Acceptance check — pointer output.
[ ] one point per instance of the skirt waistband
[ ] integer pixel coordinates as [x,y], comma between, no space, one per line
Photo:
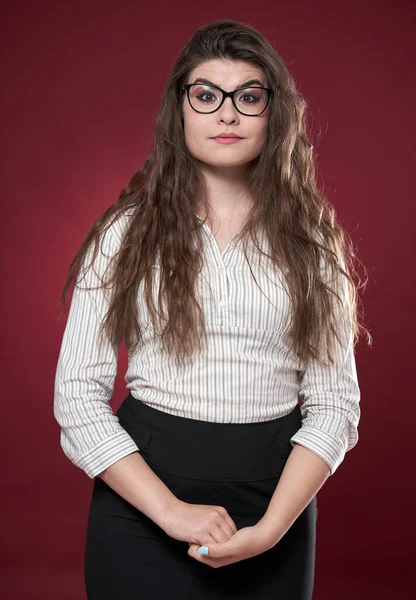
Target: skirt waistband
[208,450]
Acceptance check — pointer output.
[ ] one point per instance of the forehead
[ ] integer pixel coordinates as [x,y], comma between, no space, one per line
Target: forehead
[226,72]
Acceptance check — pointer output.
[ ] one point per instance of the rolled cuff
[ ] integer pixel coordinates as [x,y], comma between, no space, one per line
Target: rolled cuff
[106,453]
[331,450]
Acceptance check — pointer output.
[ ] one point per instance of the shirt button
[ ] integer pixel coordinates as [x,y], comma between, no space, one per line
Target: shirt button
[222,302]
[220,269]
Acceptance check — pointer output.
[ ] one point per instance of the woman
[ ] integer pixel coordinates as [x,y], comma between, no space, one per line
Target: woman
[224,271]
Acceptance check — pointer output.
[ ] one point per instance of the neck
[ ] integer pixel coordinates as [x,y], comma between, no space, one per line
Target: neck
[227,190]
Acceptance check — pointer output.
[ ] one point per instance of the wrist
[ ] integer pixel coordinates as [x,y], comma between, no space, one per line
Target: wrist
[268,532]
[171,508]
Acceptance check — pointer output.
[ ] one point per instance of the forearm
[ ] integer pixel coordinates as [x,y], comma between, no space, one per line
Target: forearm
[133,479]
[303,476]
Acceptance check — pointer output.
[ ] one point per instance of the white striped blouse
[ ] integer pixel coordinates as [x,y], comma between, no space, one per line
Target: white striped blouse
[246,374]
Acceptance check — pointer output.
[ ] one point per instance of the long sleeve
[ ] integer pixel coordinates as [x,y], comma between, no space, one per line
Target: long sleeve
[330,402]
[91,435]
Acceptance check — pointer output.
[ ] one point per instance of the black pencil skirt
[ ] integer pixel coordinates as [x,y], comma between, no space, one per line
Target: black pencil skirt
[234,465]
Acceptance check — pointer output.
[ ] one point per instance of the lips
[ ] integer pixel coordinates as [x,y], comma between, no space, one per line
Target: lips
[228,135]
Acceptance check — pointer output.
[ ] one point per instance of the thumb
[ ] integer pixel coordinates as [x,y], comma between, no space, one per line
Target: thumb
[218,550]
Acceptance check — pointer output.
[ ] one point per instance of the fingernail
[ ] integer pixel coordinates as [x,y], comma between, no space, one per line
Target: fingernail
[203,550]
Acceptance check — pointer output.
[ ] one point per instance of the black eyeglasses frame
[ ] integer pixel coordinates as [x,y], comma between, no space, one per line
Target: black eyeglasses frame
[225,95]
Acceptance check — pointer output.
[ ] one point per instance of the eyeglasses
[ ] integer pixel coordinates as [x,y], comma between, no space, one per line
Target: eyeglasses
[251,101]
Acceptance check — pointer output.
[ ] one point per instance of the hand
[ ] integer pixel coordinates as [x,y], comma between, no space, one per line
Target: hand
[247,542]
[198,523]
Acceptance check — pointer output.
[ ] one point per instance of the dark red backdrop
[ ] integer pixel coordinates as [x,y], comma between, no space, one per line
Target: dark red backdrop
[82,82]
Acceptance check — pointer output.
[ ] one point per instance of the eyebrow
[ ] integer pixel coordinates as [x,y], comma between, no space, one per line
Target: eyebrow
[242,85]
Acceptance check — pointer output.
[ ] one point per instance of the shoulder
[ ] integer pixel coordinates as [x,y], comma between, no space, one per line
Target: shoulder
[116,228]
[101,253]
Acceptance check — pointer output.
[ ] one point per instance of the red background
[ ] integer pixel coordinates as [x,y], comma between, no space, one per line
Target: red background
[82,82]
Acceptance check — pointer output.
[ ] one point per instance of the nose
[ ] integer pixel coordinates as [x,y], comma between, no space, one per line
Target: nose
[228,111]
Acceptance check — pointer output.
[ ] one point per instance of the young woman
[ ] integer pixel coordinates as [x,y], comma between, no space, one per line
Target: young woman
[226,274]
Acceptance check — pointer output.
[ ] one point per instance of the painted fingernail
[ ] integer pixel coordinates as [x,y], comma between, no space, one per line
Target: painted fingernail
[203,550]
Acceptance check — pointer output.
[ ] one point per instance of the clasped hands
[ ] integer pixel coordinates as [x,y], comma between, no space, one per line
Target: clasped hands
[245,543]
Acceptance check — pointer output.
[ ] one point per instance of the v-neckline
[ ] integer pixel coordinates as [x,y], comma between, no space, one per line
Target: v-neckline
[220,252]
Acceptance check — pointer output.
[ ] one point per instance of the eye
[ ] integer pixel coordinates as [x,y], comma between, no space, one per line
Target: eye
[204,94]
[253,99]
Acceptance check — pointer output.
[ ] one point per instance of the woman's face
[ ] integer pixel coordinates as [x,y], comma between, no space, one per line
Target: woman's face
[200,129]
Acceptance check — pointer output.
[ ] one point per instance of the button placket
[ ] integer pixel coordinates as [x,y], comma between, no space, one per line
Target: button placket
[227,260]
[222,293]
[221,259]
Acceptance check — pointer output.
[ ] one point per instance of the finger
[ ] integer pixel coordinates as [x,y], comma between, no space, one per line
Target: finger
[207,539]
[231,523]
[227,524]
[221,532]
[227,529]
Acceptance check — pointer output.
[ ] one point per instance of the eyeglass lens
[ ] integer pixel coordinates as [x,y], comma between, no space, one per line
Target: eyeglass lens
[206,98]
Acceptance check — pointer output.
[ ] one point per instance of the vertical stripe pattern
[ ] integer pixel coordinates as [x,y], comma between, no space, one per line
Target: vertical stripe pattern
[247,372]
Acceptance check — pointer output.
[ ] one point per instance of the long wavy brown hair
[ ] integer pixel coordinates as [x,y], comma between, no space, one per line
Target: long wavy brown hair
[161,198]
